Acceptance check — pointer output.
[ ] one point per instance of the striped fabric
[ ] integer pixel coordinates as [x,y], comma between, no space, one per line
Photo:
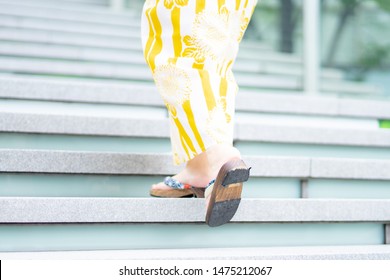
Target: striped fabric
[190,47]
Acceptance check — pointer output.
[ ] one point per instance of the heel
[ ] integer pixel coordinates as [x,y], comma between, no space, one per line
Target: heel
[225,195]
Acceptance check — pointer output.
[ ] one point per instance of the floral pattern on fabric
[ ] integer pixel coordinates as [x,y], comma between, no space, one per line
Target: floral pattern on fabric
[190,47]
[169,4]
[216,35]
[173,84]
[217,126]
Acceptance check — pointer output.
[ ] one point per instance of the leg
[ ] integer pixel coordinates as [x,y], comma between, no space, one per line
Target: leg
[190,46]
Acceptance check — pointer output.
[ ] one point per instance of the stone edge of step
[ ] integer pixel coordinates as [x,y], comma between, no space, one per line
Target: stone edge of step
[159,128]
[191,210]
[73,162]
[97,92]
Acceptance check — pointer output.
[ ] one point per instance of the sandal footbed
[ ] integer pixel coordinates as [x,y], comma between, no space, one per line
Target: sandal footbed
[174,193]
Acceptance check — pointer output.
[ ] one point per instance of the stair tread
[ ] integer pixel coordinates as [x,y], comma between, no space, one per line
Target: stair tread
[146,126]
[98,91]
[265,64]
[187,210]
[69,6]
[75,162]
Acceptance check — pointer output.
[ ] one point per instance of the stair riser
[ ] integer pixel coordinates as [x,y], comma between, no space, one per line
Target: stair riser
[153,236]
[247,52]
[84,15]
[311,150]
[79,56]
[84,143]
[162,145]
[134,73]
[98,93]
[54,185]
[76,162]
[71,39]
[42,116]
[126,40]
[69,26]
[20,38]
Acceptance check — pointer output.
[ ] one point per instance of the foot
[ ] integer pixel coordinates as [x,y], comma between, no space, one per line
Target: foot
[200,170]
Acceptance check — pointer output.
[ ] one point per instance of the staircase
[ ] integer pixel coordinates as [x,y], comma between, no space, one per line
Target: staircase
[84,133]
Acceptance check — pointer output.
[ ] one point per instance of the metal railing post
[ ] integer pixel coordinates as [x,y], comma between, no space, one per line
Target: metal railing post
[311,78]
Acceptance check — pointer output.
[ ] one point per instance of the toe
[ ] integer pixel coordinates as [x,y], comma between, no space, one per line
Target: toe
[160,186]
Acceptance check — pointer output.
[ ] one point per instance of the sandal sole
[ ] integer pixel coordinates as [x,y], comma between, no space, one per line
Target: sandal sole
[226,194]
[172,193]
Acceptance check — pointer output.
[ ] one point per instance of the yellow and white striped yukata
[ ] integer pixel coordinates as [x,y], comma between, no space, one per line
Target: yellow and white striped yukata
[190,47]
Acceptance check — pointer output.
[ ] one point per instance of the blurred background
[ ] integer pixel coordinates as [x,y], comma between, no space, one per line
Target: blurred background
[354,35]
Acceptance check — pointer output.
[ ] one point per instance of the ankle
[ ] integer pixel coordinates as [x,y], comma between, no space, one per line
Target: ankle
[218,155]
[198,165]
[200,170]
[222,152]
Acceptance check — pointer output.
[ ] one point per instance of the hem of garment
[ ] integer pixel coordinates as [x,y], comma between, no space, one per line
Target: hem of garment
[178,163]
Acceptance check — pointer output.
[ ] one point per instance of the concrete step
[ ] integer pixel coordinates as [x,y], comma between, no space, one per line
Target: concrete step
[350,87]
[25,210]
[136,126]
[79,2]
[322,122]
[44,13]
[137,72]
[51,35]
[73,31]
[63,90]
[75,162]
[108,111]
[29,11]
[300,103]
[131,236]
[18,37]
[78,27]
[122,185]
[367,252]
[268,65]
[73,39]
[269,145]
[42,17]
[13,18]
[266,54]
[90,14]
[327,85]
[312,135]
[46,8]
[47,37]
[74,69]
[120,72]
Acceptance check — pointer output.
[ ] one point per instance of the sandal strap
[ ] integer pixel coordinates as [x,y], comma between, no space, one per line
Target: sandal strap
[175,184]
[211,182]
[209,188]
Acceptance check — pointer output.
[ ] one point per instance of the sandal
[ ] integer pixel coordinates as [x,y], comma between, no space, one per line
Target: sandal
[225,192]
[177,190]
